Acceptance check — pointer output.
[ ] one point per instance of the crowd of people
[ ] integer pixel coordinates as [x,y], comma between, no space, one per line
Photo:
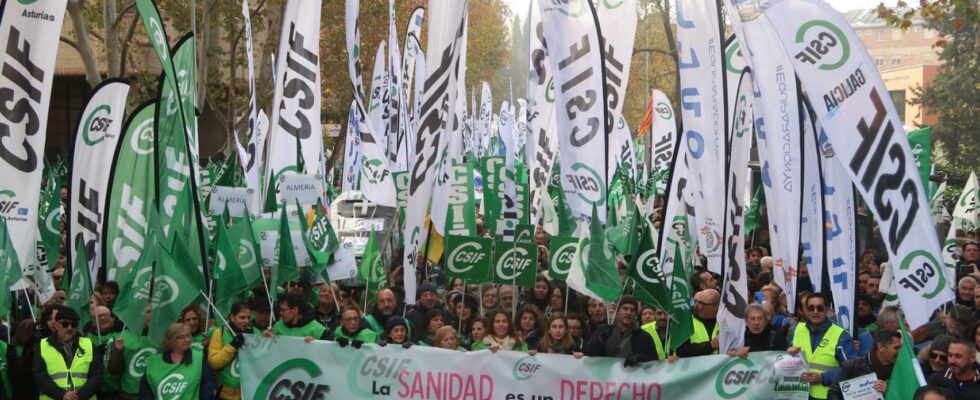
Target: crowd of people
[52,357]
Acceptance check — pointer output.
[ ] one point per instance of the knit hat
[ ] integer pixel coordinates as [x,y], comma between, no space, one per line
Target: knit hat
[941,343]
[428,287]
[963,315]
[67,313]
[398,321]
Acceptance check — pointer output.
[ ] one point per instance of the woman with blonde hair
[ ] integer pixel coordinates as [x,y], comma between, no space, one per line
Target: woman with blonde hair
[447,338]
[181,367]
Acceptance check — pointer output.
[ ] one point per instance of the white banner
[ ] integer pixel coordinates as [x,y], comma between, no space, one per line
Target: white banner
[378,97]
[840,235]
[398,117]
[296,97]
[446,30]
[811,217]
[575,56]
[483,131]
[702,98]
[853,105]
[453,152]
[412,51]
[96,135]
[29,43]
[618,26]
[352,154]
[252,160]
[542,143]
[964,219]
[735,293]
[777,132]
[665,139]
[621,150]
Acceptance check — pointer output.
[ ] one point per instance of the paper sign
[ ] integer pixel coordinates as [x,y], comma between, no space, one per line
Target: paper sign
[860,388]
[303,188]
[788,370]
[235,197]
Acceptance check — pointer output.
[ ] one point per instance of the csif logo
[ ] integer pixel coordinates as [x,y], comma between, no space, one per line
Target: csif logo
[820,38]
[586,181]
[561,259]
[137,365]
[165,291]
[8,201]
[465,257]
[172,386]
[141,140]
[374,169]
[647,267]
[96,126]
[571,8]
[276,386]
[736,377]
[925,267]
[514,261]
[664,110]
[525,368]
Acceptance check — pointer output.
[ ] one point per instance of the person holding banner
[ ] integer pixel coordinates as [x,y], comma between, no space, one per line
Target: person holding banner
[350,329]
[448,339]
[759,335]
[295,319]
[624,339]
[825,345]
[66,365]
[178,372]
[558,340]
[879,361]
[223,350]
[384,308]
[503,334]
[397,331]
[705,339]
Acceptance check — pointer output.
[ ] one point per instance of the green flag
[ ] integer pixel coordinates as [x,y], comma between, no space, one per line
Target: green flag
[372,269]
[247,247]
[49,219]
[567,223]
[681,322]
[921,142]
[514,264]
[134,290]
[624,236]
[649,284]
[286,268]
[320,239]
[753,215]
[175,287]
[10,272]
[230,280]
[562,252]
[468,258]
[601,274]
[80,289]
[907,375]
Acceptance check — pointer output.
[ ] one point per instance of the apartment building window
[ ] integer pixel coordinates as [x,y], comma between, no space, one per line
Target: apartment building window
[896,60]
[879,35]
[879,61]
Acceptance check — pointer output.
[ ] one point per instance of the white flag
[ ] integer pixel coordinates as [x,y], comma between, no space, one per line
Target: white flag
[840,235]
[542,143]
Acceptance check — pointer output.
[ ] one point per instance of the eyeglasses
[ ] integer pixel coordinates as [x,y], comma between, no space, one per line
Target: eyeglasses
[938,356]
[68,324]
[816,308]
[350,319]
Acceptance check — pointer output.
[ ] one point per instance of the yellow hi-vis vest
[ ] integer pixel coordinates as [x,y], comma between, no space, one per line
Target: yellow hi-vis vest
[68,377]
[701,333]
[822,358]
[651,328]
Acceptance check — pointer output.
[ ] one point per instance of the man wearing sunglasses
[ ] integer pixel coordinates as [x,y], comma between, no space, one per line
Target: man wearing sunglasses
[825,346]
[67,366]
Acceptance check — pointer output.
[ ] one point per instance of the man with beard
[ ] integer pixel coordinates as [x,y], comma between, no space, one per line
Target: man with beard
[961,379]
[386,306]
[66,365]
[428,300]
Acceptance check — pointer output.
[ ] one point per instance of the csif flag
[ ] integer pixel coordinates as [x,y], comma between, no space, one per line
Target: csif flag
[371,270]
[10,267]
[174,287]
[228,274]
[80,289]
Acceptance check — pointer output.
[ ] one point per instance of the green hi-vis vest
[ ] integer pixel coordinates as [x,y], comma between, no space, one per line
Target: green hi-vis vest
[312,328]
[3,370]
[176,381]
[136,351]
[68,377]
[110,382]
[197,342]
[229,375]
[822,358]
[651,328]
[701,333]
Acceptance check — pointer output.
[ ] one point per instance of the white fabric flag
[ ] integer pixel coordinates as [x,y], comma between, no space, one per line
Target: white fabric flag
[702,88]
[777,132]
[96,136]
[484,124]
[852,104]
[398,117]
[252,155]
[840,235]
[542,143]
[412,51]
[735,293]
[964,220]
[378,100]
[376,180]
[618,26]
[297,96]
[621,150]
[575,56]
[352,153]
[446,30]
[665,139]
[29,44]
[453,152]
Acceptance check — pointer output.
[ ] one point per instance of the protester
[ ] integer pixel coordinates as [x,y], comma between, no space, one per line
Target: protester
[539,295]
[759,335]
[887,319]
[489,296]
[929,392]
[879,361]
[428,300]
[261,314]
[623,340]
[577,326]
[558,340]
[478,330]
[704,341]
[397,331]
[127,358]
[180,366]
[433,320]
[935,356]
[66,365]
[385,306]
[505,296]
[193,317]
[351,330]
[824,345]
[597,313]
[103,331]
[961,379]
[446,338]
[964,292]
[969,261]
[223,351]
[530,325]
[295,319]
[327,311]
[502,336]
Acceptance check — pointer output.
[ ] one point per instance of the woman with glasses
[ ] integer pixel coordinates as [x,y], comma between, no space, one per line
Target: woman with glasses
[178,372]
[350,329]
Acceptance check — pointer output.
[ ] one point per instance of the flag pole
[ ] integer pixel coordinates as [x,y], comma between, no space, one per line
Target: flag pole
[268,295]
[217,312]
[30,307]
[566,300]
